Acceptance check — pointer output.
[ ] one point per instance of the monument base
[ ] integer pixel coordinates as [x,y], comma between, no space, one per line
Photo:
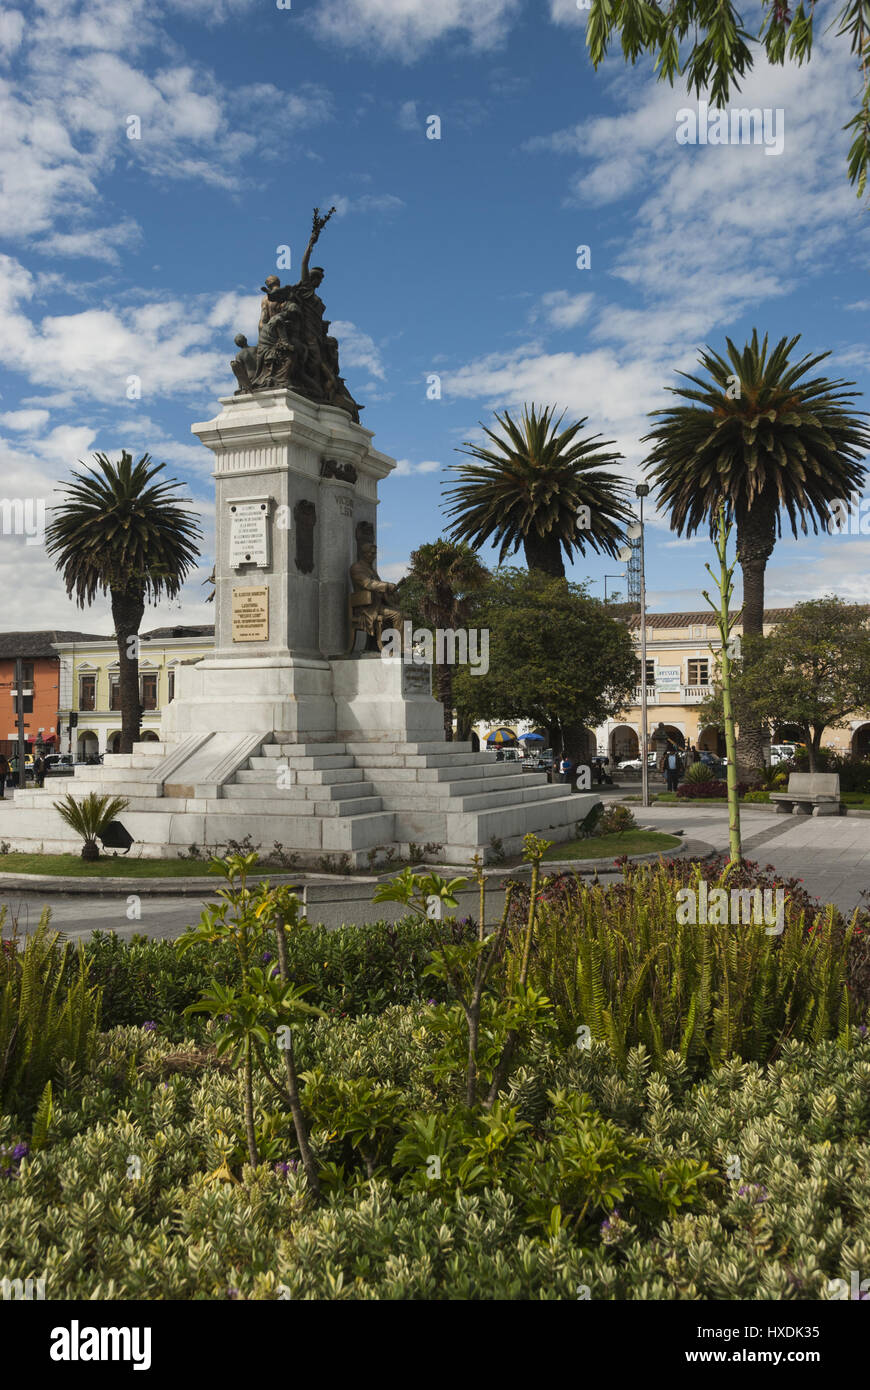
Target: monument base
[342,763]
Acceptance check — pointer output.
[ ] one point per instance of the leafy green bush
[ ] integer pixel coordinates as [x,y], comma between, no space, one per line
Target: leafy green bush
[618,961]
[699,772]
[764,1191]
[49,1014]
[615,819]
[352,970]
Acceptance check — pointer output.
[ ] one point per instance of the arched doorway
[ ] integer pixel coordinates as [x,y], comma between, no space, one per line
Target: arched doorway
[623,743]
[87,745]
[149,736]
[113,742]
[667,733]
[860,747]
[712,740]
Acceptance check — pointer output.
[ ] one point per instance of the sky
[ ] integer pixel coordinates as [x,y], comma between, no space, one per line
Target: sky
[142,257]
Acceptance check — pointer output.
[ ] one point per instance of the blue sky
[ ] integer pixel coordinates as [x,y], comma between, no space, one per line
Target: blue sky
[455,256]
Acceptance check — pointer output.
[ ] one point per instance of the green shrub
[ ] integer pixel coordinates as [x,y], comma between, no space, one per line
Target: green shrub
[615,819]
[352,970]
[100,1226]
[618,961]
[49,1014]
[699,772]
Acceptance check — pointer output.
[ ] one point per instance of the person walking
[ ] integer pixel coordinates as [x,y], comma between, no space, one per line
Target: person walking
[671,765]
[4,773]
[566,767]
[696,756]
[39,770]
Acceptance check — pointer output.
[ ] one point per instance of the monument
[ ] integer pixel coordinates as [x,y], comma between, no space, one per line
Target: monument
[297,728]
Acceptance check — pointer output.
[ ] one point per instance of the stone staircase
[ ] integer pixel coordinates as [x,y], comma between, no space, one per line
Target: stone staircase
[323,802]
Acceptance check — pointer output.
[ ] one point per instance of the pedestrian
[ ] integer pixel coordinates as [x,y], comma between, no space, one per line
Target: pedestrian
[671,765]
[39,770]
[566,767]
[4,773]
[696,756]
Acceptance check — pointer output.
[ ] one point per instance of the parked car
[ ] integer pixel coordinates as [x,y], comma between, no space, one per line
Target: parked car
[781,753]
[634,764]
[59,764]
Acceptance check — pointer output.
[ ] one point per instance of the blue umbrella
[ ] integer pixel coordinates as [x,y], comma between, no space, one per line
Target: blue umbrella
[532,738]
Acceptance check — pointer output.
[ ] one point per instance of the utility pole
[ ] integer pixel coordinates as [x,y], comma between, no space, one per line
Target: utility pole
[19,719]
[635,535]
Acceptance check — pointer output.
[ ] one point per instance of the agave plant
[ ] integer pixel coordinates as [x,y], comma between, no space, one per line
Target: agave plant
[90,817]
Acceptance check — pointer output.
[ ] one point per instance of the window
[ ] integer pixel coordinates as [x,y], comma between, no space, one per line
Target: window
[148,690]
[699,671]
[171,682]
[650,671]
[114,692]
[87,692]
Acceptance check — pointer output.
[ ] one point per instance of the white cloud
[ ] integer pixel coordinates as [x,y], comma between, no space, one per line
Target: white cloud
[405,28]
[357,349]
[24,420]
[574,12]
[11,31]
[564,310]
[407,118]
[367,202]
[404,468]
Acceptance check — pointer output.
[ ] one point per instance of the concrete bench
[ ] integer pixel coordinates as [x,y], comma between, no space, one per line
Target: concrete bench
[816,793]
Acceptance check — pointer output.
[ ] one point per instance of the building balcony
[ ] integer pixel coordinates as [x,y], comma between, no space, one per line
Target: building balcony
[686,695]
[696,694]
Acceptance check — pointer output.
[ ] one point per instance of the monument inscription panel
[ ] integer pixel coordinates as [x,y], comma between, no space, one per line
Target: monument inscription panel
[251,614]
[417,679]
[249,533]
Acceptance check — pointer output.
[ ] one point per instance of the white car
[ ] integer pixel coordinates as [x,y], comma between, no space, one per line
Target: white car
[781,753]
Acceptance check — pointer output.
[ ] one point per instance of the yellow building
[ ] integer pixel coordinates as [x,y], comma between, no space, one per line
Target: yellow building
[89,689]
[679,675]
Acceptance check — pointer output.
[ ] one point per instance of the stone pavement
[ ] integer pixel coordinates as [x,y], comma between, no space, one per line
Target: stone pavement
[831,854]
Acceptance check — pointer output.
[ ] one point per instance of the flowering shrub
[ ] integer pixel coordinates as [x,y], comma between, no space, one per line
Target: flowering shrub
[697,791]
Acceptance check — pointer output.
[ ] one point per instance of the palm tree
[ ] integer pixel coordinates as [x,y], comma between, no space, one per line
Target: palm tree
[90,817]
[119,531]
[532,487]
[766,440]
[439,590]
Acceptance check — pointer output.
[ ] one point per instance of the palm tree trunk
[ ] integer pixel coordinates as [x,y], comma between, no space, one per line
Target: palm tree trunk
[444,685]
[127,612]
[544,554]
[756,537]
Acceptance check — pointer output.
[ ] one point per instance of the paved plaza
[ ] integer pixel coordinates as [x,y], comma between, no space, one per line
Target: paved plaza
[830,854]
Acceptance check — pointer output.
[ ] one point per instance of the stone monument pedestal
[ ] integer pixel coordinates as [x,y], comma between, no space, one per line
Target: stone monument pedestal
[285,733]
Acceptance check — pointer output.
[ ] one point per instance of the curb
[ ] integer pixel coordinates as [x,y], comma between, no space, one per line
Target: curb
[205,887]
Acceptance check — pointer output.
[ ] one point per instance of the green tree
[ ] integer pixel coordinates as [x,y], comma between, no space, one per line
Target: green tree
[813,671]
[719,50]
[120,532]
[766,439]
[439,592]
[556,656]
[540,487]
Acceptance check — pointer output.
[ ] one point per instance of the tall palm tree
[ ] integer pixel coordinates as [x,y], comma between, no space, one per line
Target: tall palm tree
[120,532]
[769,441]
[439,590]
[530,488]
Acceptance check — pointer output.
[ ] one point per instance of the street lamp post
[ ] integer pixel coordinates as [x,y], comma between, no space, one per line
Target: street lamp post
[641,491]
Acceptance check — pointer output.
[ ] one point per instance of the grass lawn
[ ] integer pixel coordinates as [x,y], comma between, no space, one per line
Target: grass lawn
[856,799]
[613,846]
[105,867]
[673,799]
